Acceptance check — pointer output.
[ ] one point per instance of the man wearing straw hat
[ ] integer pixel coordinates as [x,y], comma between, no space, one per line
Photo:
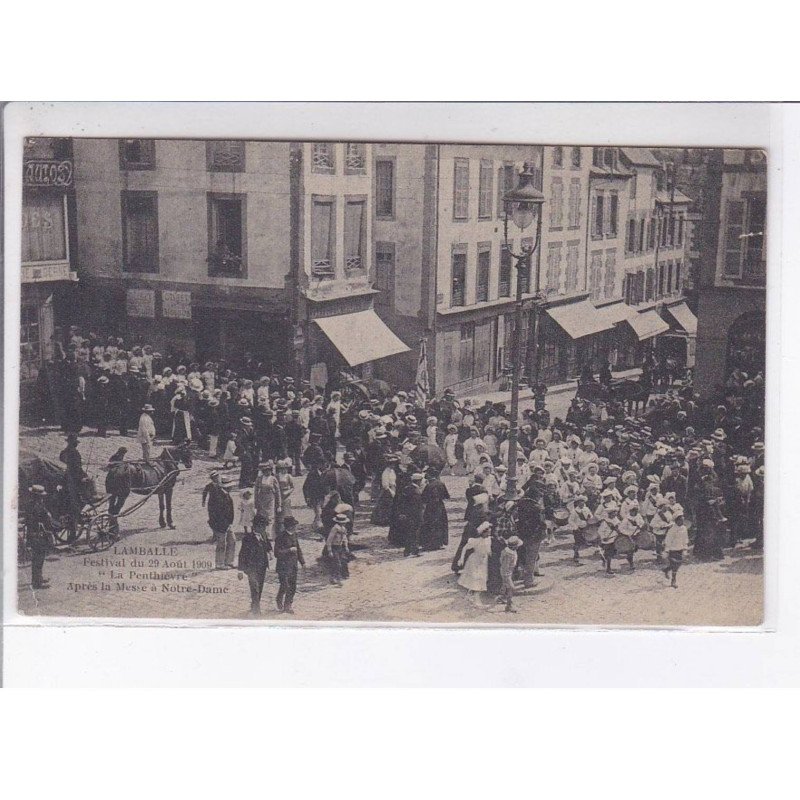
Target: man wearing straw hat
[146,432]
[38,525]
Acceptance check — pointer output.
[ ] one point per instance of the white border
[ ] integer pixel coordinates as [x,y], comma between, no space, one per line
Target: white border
[161,652]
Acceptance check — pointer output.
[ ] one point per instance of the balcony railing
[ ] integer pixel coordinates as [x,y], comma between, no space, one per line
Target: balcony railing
[322,268]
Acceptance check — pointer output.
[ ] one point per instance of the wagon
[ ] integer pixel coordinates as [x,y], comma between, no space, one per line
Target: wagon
[90,523]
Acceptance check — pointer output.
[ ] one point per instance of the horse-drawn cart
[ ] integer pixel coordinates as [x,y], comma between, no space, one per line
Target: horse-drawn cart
[80,513]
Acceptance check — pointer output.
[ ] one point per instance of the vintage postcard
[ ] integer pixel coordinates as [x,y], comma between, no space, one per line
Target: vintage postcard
[388,382]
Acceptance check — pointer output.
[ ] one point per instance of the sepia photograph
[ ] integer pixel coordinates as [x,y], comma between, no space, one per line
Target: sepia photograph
[392,382]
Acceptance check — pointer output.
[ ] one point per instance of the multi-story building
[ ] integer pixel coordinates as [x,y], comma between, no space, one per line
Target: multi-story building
[48,247]
[223,248]
[335,324]
[441,264]
[731,291]
[185,244]
[443,273]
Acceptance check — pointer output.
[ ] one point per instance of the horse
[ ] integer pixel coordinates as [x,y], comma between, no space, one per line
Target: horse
[632,393]
[141,477]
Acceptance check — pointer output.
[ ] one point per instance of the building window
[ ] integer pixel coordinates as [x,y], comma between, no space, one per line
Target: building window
[355,158]
[754,243]
[611,274]
[504,285]
[384,274]
[323,237]
[140,231]
[598,222]
[459,284]
[558,157]
[649,286]
[679,238]
[678,284]
[384,188]
[613,212]
[662,275]
[226,237]
[553,284]
[576,157]
[633,188]
[609,158]
[323,158]
[640,244]
[137,154]
[651,234]
[572,273]
[461,189]
[43,229]
[485,190]
[355,233]
[669,277]
[556,203]
[596,275]
[484,268]
[630,239]
[505,182]
[29,342]
[574,209]
[225,156]
[524,267]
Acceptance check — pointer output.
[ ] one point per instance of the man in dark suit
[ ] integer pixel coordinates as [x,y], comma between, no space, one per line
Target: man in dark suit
[288,555]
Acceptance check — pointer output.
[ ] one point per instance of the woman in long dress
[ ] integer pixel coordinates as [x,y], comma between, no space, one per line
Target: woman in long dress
[381,514]
[434,532]
[475,560]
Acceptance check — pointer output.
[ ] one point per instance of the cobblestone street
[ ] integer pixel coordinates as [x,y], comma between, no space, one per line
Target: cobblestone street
[384,586]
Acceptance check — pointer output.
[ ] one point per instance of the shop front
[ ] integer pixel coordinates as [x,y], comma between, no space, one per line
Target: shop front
[47,276]
[638,334]
[342,335]
[680,342]
[571,335]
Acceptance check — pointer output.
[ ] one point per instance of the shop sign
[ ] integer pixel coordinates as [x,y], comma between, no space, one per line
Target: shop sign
[141,303]
[46,272]
[176,305]
[47,172]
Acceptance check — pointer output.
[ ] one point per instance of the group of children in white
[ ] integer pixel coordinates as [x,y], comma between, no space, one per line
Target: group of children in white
[620,524]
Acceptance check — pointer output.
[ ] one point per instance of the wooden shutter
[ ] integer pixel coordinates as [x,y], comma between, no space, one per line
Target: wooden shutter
[734,228]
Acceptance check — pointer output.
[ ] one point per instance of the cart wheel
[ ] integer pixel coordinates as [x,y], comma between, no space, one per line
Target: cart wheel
[65,534]
[100,533]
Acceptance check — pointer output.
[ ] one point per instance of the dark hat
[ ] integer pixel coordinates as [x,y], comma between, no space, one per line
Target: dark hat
[289,522]
[72,439]
[147,407]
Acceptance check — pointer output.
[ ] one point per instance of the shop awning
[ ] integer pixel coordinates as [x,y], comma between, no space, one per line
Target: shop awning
[361,337]
[684,317]
[579,319]
[647,324]
[616,312]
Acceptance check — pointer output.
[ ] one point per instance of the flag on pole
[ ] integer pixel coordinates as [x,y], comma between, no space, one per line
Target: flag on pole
[423,386]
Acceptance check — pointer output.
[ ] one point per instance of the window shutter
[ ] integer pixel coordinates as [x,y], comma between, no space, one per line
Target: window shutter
[734,228]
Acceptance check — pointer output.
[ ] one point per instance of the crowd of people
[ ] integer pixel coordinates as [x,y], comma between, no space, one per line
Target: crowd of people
[683,474]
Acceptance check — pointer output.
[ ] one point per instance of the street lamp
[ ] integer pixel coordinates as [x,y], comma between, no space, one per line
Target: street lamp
[523,205]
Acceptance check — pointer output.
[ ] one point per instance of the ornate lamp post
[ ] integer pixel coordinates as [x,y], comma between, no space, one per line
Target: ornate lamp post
[523,205]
